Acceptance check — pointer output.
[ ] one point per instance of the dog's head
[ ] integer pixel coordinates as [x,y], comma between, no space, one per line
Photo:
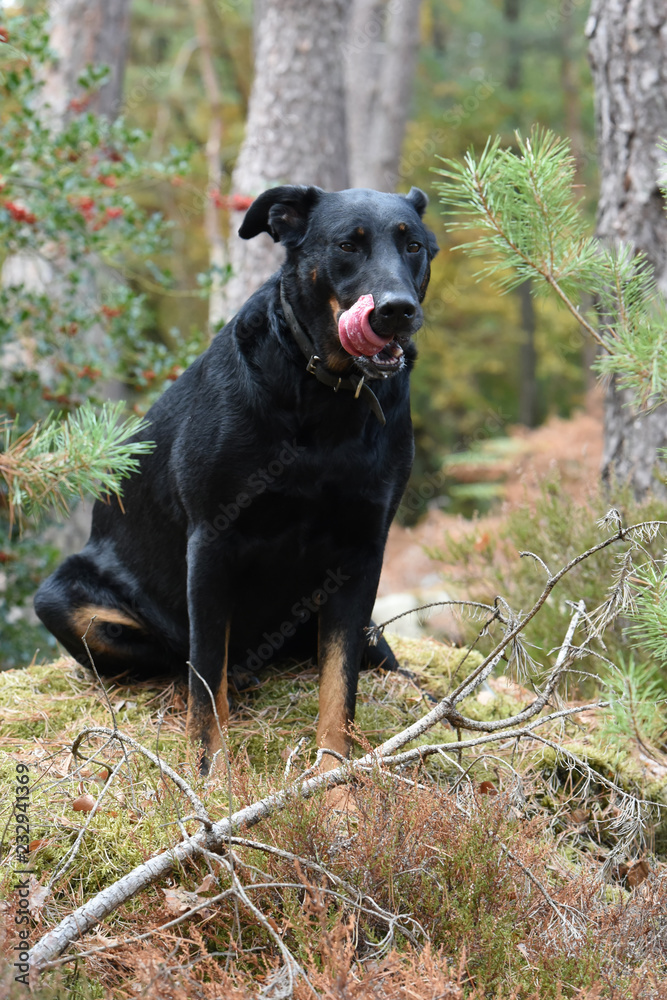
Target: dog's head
[357,269]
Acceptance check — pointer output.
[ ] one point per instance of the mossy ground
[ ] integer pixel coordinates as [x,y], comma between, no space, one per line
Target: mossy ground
[419,850]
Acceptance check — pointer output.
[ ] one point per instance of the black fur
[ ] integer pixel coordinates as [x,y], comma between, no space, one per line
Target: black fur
[264,509]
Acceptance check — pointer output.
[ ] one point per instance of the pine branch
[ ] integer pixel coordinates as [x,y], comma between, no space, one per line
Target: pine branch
[525,222]
[88,454]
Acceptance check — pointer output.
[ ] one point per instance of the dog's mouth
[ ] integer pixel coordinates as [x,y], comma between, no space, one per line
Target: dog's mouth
[384,363]
[376,356]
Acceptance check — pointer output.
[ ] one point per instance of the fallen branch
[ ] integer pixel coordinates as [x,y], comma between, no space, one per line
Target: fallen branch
[214,837]
[217,836]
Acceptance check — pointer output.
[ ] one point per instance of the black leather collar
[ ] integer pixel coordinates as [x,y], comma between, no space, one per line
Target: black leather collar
[317,367]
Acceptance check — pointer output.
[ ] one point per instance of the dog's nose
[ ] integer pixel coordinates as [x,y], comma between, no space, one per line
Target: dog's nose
[396,308]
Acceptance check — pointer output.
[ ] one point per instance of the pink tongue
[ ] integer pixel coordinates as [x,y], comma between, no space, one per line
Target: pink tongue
[355,332]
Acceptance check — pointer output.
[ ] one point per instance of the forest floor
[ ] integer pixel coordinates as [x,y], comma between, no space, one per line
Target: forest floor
[570,449]
[524,868]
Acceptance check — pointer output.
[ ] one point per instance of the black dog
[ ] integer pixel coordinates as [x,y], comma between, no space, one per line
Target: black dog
[258,523]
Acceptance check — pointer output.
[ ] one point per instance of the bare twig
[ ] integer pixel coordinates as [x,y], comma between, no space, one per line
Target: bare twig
[199,808]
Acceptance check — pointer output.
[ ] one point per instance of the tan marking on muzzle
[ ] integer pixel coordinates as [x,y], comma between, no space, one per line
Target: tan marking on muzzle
[336,309]
[336,358]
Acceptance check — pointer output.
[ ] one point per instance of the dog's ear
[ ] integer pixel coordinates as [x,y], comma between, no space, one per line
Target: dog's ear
[433,247]
[282,212]
[418,199]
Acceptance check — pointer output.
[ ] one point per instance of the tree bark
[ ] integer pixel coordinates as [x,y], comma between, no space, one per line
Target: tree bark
[628,56]
[216,244]
[528,396]
[296,132]
[380,56]
[83,32]
[527,352]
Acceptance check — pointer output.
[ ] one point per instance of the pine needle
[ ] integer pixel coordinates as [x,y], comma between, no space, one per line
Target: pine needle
[56,462]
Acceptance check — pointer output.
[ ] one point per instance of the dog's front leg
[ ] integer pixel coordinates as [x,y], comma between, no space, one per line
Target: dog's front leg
[210,622]
[343,616]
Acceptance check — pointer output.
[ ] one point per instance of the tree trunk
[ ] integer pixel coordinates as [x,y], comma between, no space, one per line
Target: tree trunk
[380,56]
[295,133]
[527,358]
[83,32]
[527,352]
[628,55]
[216,245]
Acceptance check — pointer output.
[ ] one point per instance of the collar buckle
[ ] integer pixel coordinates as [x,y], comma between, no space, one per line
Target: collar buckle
[312,364]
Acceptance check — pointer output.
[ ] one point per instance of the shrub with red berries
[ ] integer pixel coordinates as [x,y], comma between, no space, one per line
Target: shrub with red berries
[68,206]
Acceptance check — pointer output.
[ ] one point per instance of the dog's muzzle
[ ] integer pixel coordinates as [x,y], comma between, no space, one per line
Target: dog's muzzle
[375,335]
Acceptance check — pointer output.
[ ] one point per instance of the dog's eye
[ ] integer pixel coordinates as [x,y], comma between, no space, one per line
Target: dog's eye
[414,247]
[348,247]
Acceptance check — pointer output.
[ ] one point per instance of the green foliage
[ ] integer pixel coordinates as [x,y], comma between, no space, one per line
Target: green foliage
[79,253]
[69,216]
[649,616]
[520,210]
[638,696]
[557,528]
[522,205]
[89,453]
[481,72]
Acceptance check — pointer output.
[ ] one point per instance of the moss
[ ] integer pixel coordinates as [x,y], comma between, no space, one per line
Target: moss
[500,707]
[44,707]
[62,697]
[433,662]
[608,760]
[615,894]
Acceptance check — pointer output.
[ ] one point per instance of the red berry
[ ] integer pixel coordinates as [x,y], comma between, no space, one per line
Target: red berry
[241,202]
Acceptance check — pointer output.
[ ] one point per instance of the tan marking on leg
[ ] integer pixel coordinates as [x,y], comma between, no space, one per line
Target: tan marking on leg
[313,275]
[201,725]
[333,721]
[80,618]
